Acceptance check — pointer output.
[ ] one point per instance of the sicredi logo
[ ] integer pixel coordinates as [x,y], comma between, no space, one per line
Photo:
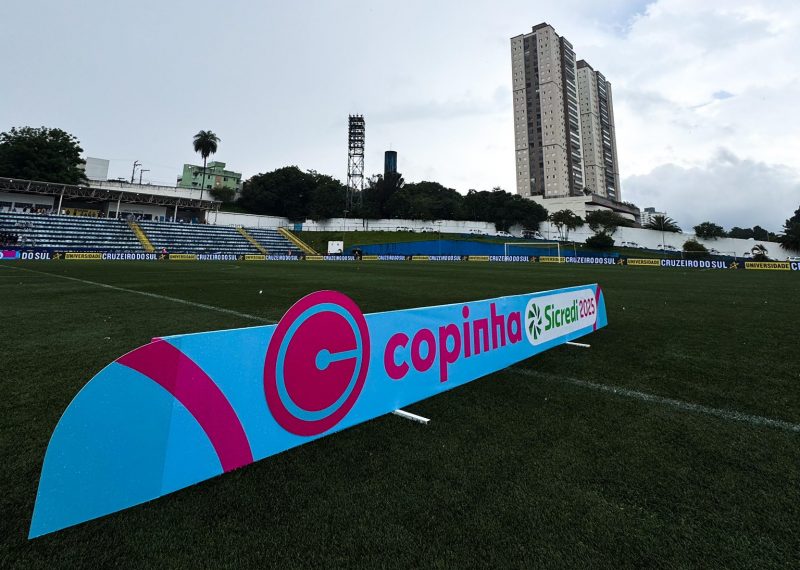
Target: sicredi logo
[553,316]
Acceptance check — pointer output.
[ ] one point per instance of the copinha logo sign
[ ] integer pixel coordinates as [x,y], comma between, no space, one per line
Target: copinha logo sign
[219,400]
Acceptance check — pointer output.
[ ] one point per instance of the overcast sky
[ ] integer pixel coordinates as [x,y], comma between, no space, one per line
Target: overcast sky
[705,93]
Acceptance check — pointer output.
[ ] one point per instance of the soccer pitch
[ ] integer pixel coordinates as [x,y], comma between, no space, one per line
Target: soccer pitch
[674,441]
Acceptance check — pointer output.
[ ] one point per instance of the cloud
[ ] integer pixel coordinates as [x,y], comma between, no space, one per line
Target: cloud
[726,189]
[721,95]
[437,110]
[433,83]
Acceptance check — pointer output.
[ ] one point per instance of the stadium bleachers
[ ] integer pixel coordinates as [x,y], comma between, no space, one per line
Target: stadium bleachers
[273,241]
[195,238]
[72,233]
[75,233]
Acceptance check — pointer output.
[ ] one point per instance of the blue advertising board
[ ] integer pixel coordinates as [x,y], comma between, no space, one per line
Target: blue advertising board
[185,408]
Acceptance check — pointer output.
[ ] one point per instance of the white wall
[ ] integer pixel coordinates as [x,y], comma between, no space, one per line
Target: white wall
[349,224]
[96,168]
[358,224]
[247,220]
[649,239]
[171,191]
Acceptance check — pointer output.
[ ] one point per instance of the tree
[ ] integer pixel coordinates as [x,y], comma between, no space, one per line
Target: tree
[709,230]
[663,224]
[606,221]
[223,194]
[693,246]
[205,142]
[528,214]
[565,220]
[790,238]
[503,209]
[378,192]
[282,192]
[327,199]
[600,240]
[761,234]
[740,233]
[49,155]
[756,232]
[760,252]
[425,201]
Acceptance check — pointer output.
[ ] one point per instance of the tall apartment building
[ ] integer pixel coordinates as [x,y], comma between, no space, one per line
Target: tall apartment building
[564,134]
[547,127]
[600,167]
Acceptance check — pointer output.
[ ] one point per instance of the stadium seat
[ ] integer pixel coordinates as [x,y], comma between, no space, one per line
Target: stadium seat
[273,241]
[71,233]
[75,233]
[195,238]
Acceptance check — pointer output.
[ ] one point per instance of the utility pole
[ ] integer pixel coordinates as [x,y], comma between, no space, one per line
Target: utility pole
[133,172]
[142,171]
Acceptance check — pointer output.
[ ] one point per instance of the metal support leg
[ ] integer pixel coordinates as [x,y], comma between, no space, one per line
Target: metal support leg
[412,417]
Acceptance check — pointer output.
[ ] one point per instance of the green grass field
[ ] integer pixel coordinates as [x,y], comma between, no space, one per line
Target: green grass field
[540,465]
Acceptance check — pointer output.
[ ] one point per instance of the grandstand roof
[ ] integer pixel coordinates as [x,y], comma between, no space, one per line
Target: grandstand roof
[103,194]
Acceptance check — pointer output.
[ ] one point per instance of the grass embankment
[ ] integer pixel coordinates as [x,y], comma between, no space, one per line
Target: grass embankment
[319,241]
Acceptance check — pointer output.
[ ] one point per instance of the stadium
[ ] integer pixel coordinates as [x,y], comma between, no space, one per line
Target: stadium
[546,318]
[665,443]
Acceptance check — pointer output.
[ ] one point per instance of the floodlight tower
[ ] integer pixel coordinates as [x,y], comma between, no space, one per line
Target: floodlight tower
[355,161]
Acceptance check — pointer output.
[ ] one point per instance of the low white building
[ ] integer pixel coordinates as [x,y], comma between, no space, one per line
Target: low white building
[648,214]
[582,205]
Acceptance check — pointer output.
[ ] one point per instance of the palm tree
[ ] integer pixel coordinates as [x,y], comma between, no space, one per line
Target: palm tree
[205,142]
[663,224]
[790,239]
[760,252]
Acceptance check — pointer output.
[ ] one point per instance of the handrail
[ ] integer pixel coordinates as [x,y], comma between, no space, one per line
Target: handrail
[297,241]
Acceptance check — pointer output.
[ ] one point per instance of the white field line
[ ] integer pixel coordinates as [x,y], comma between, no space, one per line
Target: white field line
[151,295]
[731,415]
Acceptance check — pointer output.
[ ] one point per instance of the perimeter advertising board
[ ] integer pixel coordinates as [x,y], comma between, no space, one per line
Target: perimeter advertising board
[185,408]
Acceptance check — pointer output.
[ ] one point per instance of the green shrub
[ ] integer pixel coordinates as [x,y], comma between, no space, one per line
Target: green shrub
[600,240]
[694,246]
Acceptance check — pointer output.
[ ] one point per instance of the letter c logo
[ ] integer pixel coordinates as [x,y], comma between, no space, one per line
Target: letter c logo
[316,363]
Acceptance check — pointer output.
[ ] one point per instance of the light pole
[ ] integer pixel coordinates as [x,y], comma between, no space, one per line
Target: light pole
[133,172]
[142,171]
[344,229]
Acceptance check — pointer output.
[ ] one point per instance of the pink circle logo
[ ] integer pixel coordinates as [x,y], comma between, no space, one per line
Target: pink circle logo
[316,363]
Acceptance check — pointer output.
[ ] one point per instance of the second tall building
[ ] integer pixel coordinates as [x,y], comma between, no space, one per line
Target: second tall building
[563,120]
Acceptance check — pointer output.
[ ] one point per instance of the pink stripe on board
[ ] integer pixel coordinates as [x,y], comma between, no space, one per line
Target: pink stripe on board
[185,380]
[596,306]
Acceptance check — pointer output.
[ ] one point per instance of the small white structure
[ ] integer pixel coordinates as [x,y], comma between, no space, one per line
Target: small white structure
[648,214]
[96,168]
